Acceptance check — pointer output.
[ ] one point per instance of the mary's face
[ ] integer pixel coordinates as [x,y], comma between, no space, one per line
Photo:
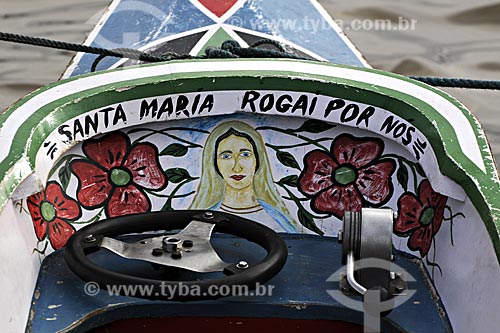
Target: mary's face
[236,161]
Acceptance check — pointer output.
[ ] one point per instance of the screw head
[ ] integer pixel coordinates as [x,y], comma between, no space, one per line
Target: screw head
[176,255]
[157,252]
[208,215]
[89,239]
[187,243]
[242,265]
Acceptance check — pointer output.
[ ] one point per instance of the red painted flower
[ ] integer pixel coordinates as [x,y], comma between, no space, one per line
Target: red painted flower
[116,175]
[51,212]
[349,177]
[420,217]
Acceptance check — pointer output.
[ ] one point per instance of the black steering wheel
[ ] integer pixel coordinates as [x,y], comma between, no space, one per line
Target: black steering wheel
[189,249]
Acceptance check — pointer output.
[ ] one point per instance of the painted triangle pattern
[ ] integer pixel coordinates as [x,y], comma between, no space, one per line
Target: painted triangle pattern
[303,24]
[218,7]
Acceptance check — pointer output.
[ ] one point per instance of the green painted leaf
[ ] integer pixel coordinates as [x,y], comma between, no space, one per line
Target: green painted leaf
[177,175]
[64,160]
[306,219]
[314,126]
[93,219]
[287,159]
[167,206]
[419,169]
[291,180]
[402,176]
[64,176]
[174,149]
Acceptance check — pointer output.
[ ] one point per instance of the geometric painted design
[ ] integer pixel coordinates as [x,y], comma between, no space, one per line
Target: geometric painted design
[216,40]
[251,39]
[301,24]
[218,7]
[138,23]
[181,45]
[134,24]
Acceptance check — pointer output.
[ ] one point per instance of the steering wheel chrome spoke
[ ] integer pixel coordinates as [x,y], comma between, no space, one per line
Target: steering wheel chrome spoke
[189,249]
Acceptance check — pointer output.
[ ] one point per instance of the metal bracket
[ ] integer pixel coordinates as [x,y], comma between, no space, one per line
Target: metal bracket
[189,249]
[367,234]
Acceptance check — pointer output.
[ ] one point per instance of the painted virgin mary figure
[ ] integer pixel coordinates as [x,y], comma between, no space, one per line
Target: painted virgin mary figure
[236,178]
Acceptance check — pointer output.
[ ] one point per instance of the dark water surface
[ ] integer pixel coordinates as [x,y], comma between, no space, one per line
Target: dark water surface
[455,38]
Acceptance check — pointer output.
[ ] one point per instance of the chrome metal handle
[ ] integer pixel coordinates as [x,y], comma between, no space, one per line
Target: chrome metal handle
[350,275]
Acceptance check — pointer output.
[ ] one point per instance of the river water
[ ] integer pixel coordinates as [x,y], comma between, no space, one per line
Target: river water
[455,38]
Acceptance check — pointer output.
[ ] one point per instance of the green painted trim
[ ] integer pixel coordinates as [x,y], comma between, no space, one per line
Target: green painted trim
[482,188]
[8,112]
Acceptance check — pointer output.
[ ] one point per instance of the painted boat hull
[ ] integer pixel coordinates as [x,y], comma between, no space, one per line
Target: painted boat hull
[311,123]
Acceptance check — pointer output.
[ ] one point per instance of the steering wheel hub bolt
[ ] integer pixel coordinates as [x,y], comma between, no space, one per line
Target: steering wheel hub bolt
[171,244]
[242,265]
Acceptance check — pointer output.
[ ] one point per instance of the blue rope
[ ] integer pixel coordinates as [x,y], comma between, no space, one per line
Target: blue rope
[228,49]
[458,83]
[122,53]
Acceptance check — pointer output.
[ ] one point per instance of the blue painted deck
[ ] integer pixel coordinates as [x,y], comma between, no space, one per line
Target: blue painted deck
[299,292]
